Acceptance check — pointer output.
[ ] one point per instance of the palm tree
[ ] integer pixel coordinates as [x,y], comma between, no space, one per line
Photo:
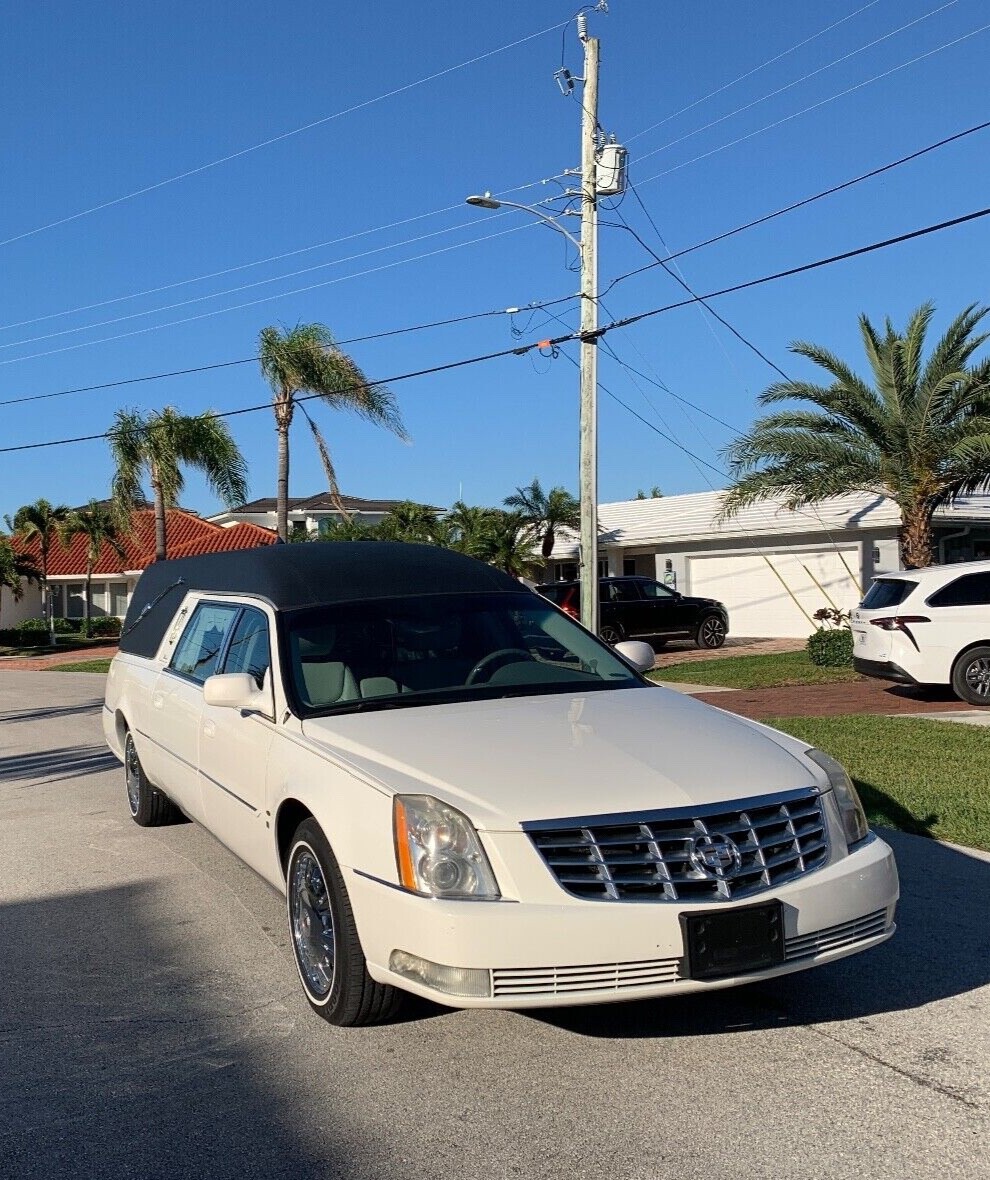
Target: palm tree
[98,524]
[15,569]
[919,434]
[305,360]
[506,542]
[545,512]
[409,521]
[158,445]
[467,526]
[41,522]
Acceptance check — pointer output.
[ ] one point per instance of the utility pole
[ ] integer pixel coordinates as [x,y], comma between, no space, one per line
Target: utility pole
[588,470]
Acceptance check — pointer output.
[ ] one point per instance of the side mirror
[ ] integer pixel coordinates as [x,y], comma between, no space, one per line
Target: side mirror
[633,651]
[235,690]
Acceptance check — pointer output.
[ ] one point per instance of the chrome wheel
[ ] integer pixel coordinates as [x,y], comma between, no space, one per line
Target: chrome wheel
[977,676]
[311,919]
[132,775]
[712,632]
[610,635]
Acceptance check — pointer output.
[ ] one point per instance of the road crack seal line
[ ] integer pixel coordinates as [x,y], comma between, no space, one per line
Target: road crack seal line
[918,1080]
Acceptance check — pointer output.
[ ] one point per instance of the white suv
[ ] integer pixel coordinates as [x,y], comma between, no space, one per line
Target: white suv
[928,626]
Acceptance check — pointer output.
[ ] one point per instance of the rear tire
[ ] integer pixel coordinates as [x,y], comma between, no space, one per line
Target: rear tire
[710,633]
[971,676]
[149,807]
[329,958]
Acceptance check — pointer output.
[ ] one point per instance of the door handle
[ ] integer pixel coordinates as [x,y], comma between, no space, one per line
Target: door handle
[209,728]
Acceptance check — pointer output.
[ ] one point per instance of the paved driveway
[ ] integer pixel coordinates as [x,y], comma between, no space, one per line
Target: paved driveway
[151,1025]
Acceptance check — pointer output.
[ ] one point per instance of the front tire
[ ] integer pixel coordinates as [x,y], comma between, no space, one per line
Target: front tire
[710,633]
[329,958]
[611,634]
[149,807]
[971,676]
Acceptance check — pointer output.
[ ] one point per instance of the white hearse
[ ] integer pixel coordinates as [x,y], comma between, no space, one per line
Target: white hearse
[464,794]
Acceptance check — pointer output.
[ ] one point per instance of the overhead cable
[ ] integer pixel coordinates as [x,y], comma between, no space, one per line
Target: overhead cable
[537,305]
[282,136]
[522,350]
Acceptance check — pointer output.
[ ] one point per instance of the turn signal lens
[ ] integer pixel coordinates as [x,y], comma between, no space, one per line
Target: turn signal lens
[437,851]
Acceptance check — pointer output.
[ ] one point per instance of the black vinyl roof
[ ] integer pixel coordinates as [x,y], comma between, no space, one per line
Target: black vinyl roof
[301,575]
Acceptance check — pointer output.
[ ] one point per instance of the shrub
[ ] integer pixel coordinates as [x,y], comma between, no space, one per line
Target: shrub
[831,647]
[32,627]
[105,625]
[67,626]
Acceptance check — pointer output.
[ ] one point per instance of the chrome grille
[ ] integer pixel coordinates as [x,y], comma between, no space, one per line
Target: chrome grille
[833,938]
[599,977]
[648,857]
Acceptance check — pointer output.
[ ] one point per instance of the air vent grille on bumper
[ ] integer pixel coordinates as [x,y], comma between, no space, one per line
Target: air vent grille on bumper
[597,978]
[660,856]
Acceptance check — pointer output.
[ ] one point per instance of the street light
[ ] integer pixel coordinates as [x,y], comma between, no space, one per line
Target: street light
[587,248]
[489,202]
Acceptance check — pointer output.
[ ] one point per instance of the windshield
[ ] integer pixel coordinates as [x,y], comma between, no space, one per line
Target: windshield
[396,652]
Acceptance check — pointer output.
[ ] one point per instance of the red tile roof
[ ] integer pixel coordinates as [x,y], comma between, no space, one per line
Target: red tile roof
[186,536]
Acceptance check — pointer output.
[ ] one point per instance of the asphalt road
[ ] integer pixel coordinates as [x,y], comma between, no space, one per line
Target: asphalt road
[151,1025]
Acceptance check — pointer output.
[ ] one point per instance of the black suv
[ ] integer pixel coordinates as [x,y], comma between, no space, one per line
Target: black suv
[641,608]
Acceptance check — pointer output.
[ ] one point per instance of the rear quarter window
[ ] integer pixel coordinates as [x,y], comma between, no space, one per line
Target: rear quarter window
[887,592]
[969,590]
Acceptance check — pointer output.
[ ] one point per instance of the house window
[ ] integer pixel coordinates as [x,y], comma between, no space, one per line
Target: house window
[75,594]
[118,599]
[98,600]
[55,597]
[629,566]
[565,571]
[603,567]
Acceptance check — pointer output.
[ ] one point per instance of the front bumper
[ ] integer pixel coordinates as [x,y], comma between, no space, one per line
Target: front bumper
[581,952]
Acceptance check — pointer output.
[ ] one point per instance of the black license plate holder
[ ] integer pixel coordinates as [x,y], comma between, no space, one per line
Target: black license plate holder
[724,943]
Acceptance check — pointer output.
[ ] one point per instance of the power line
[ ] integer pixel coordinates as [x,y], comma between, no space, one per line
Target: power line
[790,85]
[749,73]
[816,105]
[267,298]
[521,350]
[54,315]
[477,315]
[278,138]
[828,192]
[796,270]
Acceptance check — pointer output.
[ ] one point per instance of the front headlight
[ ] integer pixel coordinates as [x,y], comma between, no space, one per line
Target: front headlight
[850,808]
[438,852]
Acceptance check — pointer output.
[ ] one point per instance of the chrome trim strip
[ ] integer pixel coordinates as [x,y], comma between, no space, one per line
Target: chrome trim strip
[229,792]
[426,896]
[668,813]
[179,758]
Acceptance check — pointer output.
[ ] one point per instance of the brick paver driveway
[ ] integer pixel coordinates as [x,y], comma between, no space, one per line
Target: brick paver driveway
[40,663]
[827,700]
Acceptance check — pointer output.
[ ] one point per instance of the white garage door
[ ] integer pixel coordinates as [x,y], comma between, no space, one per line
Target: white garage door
[777,594]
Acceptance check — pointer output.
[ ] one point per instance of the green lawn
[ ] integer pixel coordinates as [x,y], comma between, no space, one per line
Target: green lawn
[81,666]
[926,777]
[774,670]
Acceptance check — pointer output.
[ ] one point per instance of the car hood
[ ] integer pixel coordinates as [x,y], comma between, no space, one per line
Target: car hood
[504,762]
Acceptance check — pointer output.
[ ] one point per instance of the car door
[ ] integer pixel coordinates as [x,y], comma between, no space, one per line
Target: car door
[235,744]
[957,619]
[663,612]
[177,701]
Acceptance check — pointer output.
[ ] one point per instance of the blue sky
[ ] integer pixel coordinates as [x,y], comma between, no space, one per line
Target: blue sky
[100,99]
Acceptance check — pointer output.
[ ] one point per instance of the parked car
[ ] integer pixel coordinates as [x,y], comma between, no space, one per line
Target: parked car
[464,794]
[928,626]
[642,608]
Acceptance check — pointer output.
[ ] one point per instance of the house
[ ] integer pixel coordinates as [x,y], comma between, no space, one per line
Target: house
[772,566]
[113,580]
[309,514]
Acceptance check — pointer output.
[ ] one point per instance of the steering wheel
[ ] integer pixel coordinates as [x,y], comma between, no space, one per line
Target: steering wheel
[496,655]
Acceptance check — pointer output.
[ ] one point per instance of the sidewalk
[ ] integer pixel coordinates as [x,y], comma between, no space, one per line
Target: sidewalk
[683,651]
[39,663]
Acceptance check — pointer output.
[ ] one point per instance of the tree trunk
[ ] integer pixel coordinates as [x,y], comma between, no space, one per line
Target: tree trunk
[916,537]
[283,419]
[549,540]
[87,607]
[160,538]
